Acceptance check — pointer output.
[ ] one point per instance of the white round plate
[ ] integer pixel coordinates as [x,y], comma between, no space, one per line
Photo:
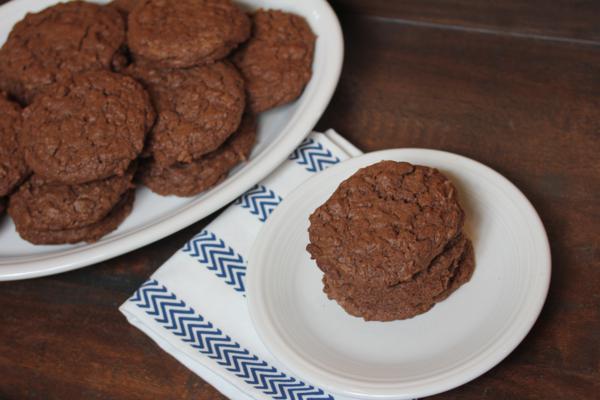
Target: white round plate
[456,341]
[155,217]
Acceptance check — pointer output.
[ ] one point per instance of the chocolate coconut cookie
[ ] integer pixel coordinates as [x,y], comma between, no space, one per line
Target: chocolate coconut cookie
[88,128]
[183,33]
[277,60]
[447,272]
[198,109]
[389,241]
[12,164]
[134,87]
[53,44]
[41,206]
[385,223]
[202,174]
[89,233]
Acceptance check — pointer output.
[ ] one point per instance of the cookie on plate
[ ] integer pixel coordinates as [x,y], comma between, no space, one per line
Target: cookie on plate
[89,233]
[276,62]
[385,223]
[448,271]
[42,206]
[192,178]
[87,128]
[12,164]
[198,109]
[53,44]
[390,243]
[183,33]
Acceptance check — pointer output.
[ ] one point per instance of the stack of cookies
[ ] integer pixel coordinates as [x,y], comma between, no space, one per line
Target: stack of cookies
[390,241]
[80,139]
[205,124]
[161,92]
[72,149]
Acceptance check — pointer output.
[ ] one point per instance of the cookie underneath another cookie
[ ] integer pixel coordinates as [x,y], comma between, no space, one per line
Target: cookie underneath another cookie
[87,128]
[12,164]
[276,62]
[192,178]
[90,233]
[198,109]
[447,272]
[183,33]
[42,206]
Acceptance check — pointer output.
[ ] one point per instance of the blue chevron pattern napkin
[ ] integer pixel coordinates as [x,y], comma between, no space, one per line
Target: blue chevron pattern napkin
[194,306]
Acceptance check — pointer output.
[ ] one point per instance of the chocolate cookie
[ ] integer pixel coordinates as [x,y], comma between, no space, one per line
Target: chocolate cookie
[183,33]
[277,60]
[198,109]
[90,233]
[42,206]
[448,271]
[57,42]
[385,223]
[88,128]
[199,175]
[12,165]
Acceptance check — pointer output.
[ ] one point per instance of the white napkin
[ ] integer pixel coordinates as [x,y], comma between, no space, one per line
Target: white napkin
[194,306]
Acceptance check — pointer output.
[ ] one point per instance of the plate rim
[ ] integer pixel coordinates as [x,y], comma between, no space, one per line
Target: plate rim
[454,376]
[297,128]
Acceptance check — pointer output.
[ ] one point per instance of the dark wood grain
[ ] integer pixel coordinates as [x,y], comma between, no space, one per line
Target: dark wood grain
[527,106]
[558,20]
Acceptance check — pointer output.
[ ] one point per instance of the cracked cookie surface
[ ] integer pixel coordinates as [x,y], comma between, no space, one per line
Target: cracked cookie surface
[447,272]
[183,33]
[12,164]
[53,44]
[385,223]
[89,233]
[88,128]
[198,109]
[192,178]
[276,62]
[42,206]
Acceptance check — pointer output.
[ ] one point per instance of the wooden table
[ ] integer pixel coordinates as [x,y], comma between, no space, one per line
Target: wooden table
[514,84]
